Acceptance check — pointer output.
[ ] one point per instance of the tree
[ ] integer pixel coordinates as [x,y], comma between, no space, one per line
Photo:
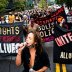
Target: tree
[3,5]
[60,1]
[29,4]
[19,5]
[42,4]
[67,2]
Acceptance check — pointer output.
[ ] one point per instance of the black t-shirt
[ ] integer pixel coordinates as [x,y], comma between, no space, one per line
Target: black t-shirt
[41,59]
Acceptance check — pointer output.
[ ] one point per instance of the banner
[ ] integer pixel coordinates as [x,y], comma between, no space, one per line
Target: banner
[46,28]
[47,24]
[62,45]
[10,37]
[10,33]
[62,52]
[8,48]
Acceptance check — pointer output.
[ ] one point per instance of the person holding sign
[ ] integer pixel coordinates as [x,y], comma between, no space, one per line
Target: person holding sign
[32,55]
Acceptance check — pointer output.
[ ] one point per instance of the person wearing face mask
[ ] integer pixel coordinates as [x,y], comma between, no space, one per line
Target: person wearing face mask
[32,55]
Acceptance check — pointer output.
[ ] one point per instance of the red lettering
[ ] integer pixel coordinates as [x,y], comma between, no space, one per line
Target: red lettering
[10,39]
[59,41]
[70,36]
[62,40]
[65,36]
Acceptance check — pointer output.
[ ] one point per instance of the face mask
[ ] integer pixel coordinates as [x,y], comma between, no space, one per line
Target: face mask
[31,46]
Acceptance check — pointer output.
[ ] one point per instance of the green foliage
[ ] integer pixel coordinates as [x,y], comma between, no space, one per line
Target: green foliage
[3,5]
[67,2]
[29,4]
[60,1]
[23,5]
[42,4]
[19,5]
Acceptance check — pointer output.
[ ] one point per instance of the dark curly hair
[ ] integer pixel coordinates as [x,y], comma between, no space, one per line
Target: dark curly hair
[37,39]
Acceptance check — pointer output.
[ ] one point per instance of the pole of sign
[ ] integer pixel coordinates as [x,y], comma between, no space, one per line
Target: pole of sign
[58,67]
[64,68]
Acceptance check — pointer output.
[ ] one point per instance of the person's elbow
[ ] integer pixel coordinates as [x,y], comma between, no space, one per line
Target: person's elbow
[46,68]
[18,63]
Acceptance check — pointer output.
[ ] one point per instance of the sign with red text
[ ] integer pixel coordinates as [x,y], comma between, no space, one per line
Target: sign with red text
[62,52]
[10,36]
[46,28]
[47,24]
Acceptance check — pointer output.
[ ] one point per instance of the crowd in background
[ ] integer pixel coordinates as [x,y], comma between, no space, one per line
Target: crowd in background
[24,16]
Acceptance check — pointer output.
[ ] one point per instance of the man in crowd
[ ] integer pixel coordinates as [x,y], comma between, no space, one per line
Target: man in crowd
[11,18]
[32,26]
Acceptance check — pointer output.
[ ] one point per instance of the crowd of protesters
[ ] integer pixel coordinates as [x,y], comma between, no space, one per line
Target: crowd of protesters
[11,18]
[25,16]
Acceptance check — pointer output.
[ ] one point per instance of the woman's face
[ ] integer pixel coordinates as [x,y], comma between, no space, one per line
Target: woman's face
[30,39]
